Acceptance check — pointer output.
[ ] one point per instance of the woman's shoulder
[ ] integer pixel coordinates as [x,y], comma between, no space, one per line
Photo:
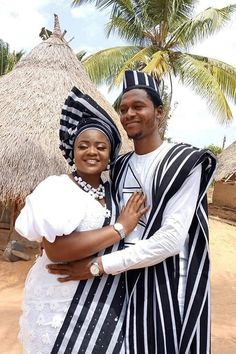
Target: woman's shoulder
[53,181]
[54,185]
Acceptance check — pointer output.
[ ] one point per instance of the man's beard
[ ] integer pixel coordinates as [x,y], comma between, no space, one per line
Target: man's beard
[135,136]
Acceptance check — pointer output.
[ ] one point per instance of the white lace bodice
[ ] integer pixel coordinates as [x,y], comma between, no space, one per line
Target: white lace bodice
[46,301]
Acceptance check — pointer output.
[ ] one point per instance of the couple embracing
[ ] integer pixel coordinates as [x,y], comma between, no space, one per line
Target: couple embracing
[130,271]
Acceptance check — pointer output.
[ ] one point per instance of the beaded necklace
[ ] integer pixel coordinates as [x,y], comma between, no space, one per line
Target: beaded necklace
[96,193]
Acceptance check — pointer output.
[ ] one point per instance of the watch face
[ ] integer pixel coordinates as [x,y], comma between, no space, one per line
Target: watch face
[118,227]
[94,270]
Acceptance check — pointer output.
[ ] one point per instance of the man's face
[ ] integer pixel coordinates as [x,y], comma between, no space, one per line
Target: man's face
[138,115]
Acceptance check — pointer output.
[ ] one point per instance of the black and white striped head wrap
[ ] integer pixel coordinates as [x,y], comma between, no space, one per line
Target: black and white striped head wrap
[140,80]
[80,112]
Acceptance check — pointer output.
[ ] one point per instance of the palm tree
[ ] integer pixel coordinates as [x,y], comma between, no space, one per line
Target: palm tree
[7,59]
[161,33]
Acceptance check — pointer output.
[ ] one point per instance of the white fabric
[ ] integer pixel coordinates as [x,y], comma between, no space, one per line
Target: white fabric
[172,237]
[56,207]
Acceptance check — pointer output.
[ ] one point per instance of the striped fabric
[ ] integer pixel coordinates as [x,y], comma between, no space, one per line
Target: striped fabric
[81,112]
[153,324]
[95,320]
[140,80]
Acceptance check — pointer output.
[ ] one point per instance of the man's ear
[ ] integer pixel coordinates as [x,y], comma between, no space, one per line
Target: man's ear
[159,112]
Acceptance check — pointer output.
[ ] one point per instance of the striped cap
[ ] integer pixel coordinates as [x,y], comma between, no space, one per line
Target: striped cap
[81,112]
[140,80]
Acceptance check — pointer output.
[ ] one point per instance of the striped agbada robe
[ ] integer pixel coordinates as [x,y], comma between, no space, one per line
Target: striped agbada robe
[104,298]
[153,323]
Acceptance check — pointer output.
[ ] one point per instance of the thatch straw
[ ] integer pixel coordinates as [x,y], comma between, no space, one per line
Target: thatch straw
[31,97]
[226,163]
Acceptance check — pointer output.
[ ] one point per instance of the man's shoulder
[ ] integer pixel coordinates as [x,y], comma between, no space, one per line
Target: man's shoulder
[187,155]
[184,148]
[123,157]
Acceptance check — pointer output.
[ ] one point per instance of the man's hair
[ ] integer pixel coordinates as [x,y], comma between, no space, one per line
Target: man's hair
[154,98]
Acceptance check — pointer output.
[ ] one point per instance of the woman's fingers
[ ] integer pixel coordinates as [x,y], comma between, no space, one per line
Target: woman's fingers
[143,211]
[135,198]
[136,201]
[141,201]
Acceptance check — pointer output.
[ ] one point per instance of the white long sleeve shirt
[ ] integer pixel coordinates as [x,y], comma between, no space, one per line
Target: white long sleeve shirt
[169,240]
[172,237]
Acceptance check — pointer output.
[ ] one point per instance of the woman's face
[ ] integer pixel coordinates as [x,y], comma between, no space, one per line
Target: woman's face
[91,152]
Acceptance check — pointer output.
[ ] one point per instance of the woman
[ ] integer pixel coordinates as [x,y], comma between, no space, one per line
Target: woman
[86,316]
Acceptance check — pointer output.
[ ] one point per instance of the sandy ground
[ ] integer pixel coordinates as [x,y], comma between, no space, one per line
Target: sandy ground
[223,255]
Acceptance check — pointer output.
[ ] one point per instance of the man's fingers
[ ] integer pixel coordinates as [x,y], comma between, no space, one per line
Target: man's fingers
[59,271]
[57,266]
[64,279]
[63,269]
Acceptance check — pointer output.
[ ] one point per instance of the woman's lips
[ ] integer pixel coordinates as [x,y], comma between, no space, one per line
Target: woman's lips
[91,162]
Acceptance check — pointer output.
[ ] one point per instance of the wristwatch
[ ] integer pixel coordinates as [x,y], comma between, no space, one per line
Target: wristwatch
[120,229]
[94,268]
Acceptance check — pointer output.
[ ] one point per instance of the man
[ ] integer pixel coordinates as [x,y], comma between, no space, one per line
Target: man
[166,257]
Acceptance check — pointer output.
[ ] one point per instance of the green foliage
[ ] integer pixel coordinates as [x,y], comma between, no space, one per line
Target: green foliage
[4,52]
[81,54]
[169,140]
[160,35]
[7,59]
[214,148]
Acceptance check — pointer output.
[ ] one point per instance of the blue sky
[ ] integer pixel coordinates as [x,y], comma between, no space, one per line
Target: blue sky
[21,21]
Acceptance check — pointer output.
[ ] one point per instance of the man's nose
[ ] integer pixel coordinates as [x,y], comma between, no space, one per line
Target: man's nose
[130,112]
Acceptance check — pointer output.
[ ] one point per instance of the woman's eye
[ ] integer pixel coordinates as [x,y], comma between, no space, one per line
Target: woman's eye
[101,148]
[82,147]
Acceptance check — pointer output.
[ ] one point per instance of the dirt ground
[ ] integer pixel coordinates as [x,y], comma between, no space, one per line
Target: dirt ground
[223,255]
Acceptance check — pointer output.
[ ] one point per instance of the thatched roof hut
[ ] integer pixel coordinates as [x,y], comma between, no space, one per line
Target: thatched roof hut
[226,163]
[224,194]
[31,97]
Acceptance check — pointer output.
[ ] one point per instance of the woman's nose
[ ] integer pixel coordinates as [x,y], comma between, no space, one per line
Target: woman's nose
[92,150]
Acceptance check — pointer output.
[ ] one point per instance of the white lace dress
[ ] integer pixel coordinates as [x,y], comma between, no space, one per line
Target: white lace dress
[56,207]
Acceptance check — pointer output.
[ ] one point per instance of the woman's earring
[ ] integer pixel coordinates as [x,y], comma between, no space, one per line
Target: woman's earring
[74,166]
[108,166]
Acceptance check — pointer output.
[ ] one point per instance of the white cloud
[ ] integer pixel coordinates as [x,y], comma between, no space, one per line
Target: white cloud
[89,49]
[85,11]
[192,122]
[204,4]
[21,21]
